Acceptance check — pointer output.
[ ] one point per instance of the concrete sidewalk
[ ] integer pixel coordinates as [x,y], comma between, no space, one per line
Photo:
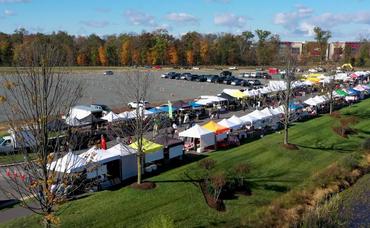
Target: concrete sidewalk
[9,214]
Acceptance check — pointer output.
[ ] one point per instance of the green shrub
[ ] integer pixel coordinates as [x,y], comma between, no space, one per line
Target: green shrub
[329,175]
[366,145]
[162,221]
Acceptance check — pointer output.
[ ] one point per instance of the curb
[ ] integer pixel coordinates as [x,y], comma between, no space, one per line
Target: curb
[11,164]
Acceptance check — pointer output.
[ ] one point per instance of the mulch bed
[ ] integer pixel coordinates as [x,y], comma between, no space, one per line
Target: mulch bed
[290,146]
[211,202]
[147,185]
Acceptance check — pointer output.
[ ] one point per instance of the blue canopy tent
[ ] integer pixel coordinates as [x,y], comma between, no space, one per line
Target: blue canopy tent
[194,104]
[353,92]
[155,110]
[295,106]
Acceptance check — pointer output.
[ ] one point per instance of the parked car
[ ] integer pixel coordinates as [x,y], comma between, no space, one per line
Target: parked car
[135,104]
[213,78]
[201,78]
[236,82]
[183,76]
[226,73]
[103,107]
[167,75]
[228,80]
[17,140]
[244,83]
[245,75]
[191,77]
[108,72]
[173,76]
[221,79]
[254,82]
[266,75]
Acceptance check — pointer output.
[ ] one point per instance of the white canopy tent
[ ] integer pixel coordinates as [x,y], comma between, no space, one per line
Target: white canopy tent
[111,117]
[229,124]
[236,120]
[252,119]
[125,154]
[69,163]
[213,98]
[132,114]
[207,138]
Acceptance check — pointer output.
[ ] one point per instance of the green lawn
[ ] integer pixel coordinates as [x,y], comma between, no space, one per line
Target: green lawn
[274,171]
[14,158]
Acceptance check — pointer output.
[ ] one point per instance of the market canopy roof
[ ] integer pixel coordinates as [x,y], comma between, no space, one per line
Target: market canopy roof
[236,120]
[235,93]
[213,98]
[148,146]
[341,93]
[168,141]
[69,163]
[215,127]
[111,117]
[195,132]
[229,124]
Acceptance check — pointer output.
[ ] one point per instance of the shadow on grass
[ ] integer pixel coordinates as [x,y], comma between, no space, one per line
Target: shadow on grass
[163,167]
[363,131]
[331,148]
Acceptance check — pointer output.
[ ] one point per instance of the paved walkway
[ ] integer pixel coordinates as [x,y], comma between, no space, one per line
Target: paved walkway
[8,214]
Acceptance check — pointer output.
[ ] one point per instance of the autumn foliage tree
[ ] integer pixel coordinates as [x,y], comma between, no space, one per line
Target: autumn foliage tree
[81,59]
[189,57]
[173,55]
[103,56]
[125,53]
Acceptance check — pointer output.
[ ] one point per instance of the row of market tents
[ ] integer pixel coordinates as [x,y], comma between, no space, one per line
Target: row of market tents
[97,162]
[77,116]
[124,157]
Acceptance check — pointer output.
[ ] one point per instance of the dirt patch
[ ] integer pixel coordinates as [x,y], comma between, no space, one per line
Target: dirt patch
[290,146]
[147,185]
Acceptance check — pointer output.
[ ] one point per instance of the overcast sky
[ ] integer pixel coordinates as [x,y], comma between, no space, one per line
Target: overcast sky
[292,20]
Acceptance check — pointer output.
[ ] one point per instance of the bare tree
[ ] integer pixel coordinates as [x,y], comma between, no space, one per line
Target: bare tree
[329,88]
[289,62]
[34,96]
[138,124]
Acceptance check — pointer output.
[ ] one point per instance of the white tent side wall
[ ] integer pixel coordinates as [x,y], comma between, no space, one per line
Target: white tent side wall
[207,140]
[176,151]
[129,166]
[154,156]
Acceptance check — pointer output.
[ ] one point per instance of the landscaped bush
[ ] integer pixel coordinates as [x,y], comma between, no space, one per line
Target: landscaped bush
[218,182]
[352,161]
[207,164]
[331,174]
[240,172]
[324,215]
[345,123]
[366,145]
[162,221]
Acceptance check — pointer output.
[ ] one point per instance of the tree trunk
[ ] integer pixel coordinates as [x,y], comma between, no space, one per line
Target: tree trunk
[139,168]
[286,136]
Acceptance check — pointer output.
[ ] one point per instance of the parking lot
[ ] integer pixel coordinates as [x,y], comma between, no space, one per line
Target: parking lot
[109,89]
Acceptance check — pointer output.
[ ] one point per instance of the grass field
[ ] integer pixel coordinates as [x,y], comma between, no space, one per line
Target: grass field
[275,171]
